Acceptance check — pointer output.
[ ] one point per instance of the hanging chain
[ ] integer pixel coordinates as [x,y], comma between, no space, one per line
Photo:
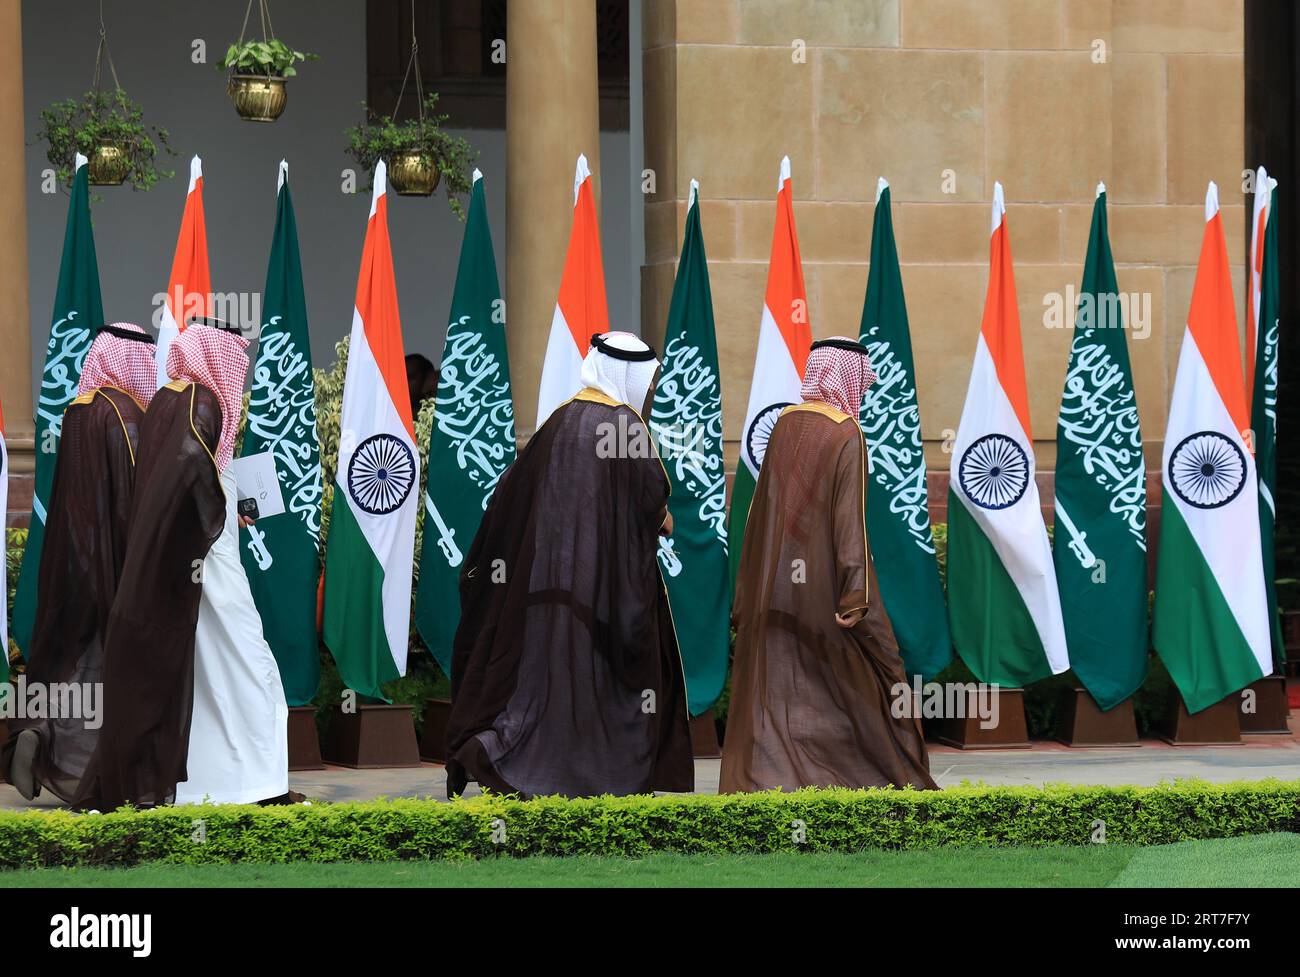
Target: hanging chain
[104,50]
[264,15]
[413,62]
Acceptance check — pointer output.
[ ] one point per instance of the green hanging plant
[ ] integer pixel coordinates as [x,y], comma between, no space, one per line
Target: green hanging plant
[109,129]
[270,57]
[418,150]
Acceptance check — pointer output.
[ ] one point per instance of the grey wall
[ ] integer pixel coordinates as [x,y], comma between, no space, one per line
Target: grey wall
[135,233]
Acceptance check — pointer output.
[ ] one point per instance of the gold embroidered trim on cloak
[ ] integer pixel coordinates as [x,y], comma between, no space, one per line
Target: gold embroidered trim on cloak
[120,419]
[197,436]
[838,416]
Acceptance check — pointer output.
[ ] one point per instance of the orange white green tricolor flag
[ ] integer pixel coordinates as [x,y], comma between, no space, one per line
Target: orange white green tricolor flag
[4,583]
[1003,607]
[371,542]
[1210,622]
[784,335]
[580,310]
[189,288]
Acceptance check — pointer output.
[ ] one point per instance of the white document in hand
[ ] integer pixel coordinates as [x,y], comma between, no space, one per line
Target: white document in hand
[255,480]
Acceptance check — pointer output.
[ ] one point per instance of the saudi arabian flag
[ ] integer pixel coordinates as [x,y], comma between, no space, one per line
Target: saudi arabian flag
[686,419]
[898,512]
[280,552]
[78,314]
[784,335]
[371,544]
[1100,545]
[1262,328]
[1210,623]
[472,441]
[1003,605]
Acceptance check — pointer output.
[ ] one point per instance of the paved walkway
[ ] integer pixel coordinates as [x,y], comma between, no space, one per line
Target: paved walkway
[1257,758]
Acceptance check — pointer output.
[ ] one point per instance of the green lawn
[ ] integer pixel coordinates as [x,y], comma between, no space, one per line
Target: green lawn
[1262,860]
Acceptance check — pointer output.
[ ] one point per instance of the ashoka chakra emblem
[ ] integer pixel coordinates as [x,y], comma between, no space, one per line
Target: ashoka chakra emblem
[760,430]
[1207,470]
[994,472]
[381,474]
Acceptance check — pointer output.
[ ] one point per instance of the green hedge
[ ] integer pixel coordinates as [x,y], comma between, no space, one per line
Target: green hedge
[832,821]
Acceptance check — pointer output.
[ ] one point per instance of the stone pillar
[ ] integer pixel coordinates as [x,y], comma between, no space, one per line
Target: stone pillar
[552,115]
[16,364]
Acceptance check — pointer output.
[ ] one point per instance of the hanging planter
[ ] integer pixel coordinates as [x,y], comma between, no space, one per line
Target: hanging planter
[413,174]
[259,70]
[108,165]
[257,98]
[418,152]
[108,128]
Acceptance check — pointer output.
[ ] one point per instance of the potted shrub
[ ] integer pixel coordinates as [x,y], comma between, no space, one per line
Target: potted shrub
[258,71]
[108,128]
[418,151]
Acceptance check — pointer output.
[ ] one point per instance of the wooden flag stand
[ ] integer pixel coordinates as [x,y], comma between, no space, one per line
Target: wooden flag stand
[1082,724]
[1270,707]
[433,734]
[704,737]
[1216,725]
[1010,733]
[373,736]
[304,742]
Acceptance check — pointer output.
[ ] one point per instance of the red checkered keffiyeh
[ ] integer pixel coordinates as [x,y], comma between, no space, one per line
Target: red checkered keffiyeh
[214,358]
[122,363]
[838,377]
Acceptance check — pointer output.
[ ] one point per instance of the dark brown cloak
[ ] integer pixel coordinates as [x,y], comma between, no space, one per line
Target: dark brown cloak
[566,677]
[81,562]
[810,701]
[177,512]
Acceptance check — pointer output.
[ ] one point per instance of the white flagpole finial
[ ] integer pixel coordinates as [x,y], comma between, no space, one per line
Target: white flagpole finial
[1211,200]
[881,186]
[1101,188]
[999,206]
[582,172]
[381,185]
[785,173]
[478,175]
[196,172]
[694,194]
[282,174]
[79,162]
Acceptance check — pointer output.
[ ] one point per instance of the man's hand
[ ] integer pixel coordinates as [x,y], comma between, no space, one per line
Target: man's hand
[667,528]
[245,522]
[850,619]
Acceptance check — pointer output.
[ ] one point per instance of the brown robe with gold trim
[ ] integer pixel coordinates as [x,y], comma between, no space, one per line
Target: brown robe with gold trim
[566,678]
[177,513]
[810,701]
[81,562]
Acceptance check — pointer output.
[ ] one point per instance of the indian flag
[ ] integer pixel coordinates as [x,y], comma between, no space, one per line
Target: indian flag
[784,335]
[371,542]
[189,288]
[1003,605]
[1210,623]
[580,309]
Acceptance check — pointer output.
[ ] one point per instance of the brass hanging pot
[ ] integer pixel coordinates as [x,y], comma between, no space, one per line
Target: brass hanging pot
[413,174]
[257,98]
[108,165]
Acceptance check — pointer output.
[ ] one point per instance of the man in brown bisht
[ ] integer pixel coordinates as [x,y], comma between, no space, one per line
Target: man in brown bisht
[566,677]
[177,513]
[816,659]
[85,546]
